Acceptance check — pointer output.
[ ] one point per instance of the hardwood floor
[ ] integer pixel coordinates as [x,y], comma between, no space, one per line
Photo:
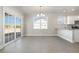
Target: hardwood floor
[41,45]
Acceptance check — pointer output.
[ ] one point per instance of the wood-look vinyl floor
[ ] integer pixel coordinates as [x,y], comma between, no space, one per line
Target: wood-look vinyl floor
[41,44]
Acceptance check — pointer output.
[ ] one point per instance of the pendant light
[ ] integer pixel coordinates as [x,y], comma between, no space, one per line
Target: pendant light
[40,13]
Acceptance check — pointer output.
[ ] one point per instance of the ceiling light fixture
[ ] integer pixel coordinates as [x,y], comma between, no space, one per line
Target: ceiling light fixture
[37,14]
[73,9]
[64,10]
[40,13]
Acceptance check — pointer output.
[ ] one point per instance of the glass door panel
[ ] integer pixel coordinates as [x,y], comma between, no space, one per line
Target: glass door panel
[9,27]
[6,28]
[18,27]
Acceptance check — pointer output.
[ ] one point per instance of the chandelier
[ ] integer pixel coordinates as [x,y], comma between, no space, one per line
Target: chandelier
[40,13]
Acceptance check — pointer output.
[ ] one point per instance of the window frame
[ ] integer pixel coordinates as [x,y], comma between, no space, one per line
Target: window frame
[39,18]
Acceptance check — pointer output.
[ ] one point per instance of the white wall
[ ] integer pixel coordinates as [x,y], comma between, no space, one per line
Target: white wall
[51,31]
[1,27]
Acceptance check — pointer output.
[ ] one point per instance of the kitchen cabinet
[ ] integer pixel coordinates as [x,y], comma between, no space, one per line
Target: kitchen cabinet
[70,19]
[69,35]
[76,18]
[66,34]
[61,20]
[67,19]
[76,35]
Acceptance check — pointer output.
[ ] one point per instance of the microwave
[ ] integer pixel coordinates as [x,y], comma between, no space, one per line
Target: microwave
[77,22]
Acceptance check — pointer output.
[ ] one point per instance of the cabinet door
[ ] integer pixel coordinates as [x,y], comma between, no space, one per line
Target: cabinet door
[70,19]
[76,35]
[61,20]
[76,18]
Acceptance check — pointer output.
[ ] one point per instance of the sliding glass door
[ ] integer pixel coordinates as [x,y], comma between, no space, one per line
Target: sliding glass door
[9,27]
[18,27]
[12,27]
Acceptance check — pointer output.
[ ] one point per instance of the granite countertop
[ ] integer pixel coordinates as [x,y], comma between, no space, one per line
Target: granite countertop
[70,28]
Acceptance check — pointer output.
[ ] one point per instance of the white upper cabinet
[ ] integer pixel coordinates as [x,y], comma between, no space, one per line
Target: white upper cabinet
[67,19]
[70,19]
[61,20]
[76,18]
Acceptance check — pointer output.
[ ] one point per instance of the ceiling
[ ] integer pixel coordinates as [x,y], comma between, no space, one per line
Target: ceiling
[49,9]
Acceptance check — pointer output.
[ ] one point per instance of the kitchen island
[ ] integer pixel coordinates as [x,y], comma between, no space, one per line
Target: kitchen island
[71,35]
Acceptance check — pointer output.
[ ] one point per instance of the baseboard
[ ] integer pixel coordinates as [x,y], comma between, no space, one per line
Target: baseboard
[40,35]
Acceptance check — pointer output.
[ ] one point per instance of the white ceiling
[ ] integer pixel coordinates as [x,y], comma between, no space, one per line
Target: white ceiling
[49,9]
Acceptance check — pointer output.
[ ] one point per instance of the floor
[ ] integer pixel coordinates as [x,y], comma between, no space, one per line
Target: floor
[41,45]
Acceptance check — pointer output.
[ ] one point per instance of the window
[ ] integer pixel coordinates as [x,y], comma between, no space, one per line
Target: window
[40,23]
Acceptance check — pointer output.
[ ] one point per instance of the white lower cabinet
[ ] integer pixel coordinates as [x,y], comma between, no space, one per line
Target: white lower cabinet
[66,34]
[76,35]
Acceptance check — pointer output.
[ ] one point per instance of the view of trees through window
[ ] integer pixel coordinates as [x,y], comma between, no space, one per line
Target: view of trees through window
[40,23]
[12,26]
[18,24]
[9,23]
